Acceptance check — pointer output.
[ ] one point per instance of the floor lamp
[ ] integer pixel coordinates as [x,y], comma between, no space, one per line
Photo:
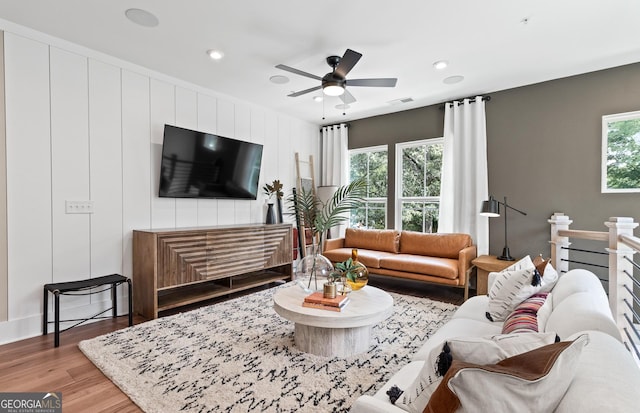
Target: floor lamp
[491,208]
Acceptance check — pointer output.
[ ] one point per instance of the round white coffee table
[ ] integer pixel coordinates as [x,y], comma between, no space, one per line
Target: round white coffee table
[332,333]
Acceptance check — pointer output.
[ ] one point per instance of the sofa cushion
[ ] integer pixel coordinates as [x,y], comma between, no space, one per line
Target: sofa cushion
[439,267]
[607,378]
[474,309]
[579,304]
[455,328]
[534,381]
[372,239]
[576,281]
[434,245]
[370,259]
[581,312]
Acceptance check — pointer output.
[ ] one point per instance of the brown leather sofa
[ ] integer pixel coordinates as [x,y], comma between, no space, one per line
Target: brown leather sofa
[435,258]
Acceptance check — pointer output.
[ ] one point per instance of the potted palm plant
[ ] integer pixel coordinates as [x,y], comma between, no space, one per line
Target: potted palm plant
[320,217]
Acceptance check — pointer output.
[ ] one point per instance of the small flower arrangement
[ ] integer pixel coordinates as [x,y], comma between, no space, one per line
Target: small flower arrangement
[274,189]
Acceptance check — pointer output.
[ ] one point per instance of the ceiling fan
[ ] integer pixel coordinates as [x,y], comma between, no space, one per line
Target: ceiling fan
[335,82]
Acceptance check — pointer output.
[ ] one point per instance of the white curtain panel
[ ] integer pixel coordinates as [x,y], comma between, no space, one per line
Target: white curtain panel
[334,141]
[464,182]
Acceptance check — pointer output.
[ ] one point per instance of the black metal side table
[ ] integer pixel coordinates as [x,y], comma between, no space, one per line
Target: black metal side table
[83,287]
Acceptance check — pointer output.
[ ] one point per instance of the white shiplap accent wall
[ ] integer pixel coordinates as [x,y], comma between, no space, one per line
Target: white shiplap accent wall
[136,161]
[69,108]
[28,177]
[85,126]
[105,174]
[163,112]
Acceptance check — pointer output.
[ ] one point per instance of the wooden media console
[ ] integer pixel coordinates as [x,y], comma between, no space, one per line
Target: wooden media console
[177,267]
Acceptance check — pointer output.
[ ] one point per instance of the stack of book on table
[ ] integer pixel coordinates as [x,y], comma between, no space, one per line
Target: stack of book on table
[317,300]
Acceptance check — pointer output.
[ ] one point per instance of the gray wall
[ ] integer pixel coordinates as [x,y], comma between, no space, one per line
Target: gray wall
[410,125]
[544,152]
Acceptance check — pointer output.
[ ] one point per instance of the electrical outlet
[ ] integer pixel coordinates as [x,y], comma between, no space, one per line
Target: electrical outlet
[78,207]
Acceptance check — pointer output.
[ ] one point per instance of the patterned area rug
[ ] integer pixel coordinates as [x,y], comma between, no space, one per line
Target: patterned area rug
[239,356]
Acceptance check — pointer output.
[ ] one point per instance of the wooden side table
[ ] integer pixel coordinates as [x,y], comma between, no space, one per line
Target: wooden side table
[487,264]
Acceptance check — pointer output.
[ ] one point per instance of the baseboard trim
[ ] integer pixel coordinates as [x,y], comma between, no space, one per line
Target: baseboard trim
[31,326]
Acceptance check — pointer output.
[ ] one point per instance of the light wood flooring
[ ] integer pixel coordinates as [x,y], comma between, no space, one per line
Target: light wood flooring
[35,365]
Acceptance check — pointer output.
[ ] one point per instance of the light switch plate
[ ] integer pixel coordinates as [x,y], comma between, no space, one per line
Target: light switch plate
[78,207]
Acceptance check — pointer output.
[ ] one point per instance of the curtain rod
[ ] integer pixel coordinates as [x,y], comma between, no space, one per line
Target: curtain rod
[337,126]
[471,100]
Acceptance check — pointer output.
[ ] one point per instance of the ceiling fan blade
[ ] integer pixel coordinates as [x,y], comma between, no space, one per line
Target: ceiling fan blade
[298,72]
[347,62]
[347,98]
[380,82]
[302,92]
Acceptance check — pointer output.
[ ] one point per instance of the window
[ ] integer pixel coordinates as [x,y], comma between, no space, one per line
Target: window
[370,164]
[418,169]
[621,152]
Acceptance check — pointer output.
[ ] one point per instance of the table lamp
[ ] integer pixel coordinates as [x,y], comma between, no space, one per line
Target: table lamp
[491,208]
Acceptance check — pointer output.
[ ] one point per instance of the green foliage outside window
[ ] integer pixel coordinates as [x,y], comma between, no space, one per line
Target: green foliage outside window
[371,167]
[421,170]
[623,154]
[421,167]
[420,216]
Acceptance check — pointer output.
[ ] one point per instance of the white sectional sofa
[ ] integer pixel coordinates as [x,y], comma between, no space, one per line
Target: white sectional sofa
[607,378]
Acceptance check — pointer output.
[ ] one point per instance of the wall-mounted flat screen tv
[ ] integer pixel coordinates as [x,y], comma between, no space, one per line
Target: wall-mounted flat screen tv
[203,165]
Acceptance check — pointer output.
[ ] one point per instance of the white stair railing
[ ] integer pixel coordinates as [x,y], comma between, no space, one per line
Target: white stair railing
[621,246]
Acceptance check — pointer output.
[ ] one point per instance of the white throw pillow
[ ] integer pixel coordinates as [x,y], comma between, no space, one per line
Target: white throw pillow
[511,287]
[477,350]
[480,390]
[549,278]
[492,349]
[415,397]
[523,263]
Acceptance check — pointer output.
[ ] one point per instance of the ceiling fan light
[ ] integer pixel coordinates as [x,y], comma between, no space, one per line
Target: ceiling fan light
[333,89]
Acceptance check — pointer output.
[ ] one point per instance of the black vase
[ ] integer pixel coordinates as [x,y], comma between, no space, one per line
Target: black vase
[271,215]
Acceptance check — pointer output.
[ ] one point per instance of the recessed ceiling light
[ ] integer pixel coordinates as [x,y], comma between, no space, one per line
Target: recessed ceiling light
[440,64]
[142,17]
[453,79]
[279,79]
[317,98]
[215,54]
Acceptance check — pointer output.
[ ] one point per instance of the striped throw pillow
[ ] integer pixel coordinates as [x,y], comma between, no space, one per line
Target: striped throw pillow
[524,318]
